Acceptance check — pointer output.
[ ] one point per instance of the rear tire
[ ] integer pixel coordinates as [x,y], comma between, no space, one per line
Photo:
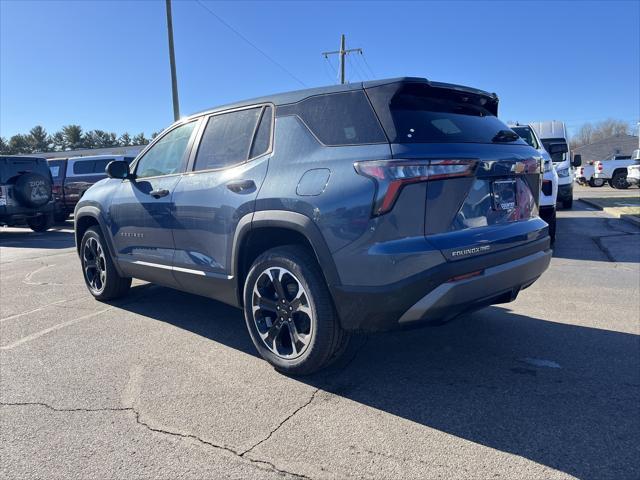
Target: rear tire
[619,181]
[297,330]
[596,182]
[98,270]
[41,223]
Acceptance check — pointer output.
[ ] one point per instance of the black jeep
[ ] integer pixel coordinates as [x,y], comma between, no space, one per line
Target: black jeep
[25,192]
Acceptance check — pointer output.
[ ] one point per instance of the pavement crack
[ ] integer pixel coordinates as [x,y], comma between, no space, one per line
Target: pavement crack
[281,424]
[261,464]
[56,409]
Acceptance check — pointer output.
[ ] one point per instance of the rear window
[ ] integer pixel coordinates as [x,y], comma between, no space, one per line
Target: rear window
[526,133]
[421,113]
[12,167]
[56,167]
[338,118]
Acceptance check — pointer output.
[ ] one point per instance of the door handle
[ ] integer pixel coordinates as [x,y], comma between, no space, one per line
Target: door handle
[163,192]
[238,186]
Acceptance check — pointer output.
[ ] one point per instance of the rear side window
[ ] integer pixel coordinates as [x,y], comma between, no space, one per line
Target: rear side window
[338,118]
[262,140]
[13,167]
[421,113]
[99,166]
[227,139]
[82,167]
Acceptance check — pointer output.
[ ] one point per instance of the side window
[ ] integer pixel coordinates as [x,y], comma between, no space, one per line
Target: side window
[100,165]
[166,156]
[262,139]
[226,139]
[339,118]
[82,167]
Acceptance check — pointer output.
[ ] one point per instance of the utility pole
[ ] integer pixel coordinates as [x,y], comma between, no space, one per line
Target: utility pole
[172,61]
[343,52]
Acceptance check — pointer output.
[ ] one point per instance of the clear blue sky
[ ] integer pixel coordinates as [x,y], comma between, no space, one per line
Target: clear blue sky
[104,64]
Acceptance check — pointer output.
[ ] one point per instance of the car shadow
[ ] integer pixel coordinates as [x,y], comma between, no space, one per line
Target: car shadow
[57,237]
[591,238]
[560,395]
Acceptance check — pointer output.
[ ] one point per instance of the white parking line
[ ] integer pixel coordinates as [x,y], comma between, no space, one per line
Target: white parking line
[39,334]
[57,302]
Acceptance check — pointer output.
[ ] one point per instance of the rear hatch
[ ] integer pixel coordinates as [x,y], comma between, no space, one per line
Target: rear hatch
[483,180]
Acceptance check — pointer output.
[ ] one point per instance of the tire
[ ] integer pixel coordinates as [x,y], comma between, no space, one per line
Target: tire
[552,227]
[619,181]
[309,315]
[41,223]
[60,217]
[610,183]
[102,279]
[32,190]
[596,182]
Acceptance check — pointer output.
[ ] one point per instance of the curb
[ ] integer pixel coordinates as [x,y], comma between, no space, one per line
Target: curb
[634,220]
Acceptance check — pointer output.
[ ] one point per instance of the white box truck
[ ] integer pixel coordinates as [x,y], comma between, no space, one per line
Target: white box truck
[554,137]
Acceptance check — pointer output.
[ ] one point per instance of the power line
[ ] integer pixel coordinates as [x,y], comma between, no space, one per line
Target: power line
[354,69]
[334,79]
[367,64]
[258,49]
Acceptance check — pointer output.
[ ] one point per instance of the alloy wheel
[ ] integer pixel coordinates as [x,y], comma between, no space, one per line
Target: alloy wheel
[282,312]
[94,265]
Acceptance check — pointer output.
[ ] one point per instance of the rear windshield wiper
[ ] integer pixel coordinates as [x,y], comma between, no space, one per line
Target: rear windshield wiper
[505,136]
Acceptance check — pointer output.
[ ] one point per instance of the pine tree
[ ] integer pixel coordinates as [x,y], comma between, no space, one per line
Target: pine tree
[140,139]
[125,139]
[39,139]
[73,136]
[19,144]
[4,146]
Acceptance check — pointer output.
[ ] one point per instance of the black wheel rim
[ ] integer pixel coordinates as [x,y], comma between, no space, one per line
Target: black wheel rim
[282,313]
[94,265]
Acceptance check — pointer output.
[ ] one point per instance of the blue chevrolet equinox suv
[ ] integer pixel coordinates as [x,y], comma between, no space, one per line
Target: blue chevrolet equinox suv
[325,211]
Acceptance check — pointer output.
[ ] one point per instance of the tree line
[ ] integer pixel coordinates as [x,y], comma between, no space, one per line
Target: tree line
[70,137]
[592,132]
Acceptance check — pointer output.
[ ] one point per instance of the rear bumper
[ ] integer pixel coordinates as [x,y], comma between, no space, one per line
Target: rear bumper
[498,284]
[17,215]
[435,295]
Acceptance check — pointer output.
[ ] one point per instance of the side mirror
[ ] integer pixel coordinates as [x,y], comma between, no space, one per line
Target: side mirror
[118,169]
[558,148]
[577,160]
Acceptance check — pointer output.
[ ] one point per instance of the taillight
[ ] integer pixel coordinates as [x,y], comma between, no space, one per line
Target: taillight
[391,176]
[600,167]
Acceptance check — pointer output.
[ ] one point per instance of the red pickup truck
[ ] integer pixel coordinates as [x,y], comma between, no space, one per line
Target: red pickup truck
[73,176]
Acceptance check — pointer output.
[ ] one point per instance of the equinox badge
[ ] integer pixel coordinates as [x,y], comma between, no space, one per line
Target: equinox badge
[470,251]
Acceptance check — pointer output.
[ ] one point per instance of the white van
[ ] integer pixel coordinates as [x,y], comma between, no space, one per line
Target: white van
[555,139]
[549,190]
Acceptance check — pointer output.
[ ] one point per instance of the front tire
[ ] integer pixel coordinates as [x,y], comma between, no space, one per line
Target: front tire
[552,227]
[289,312]
[567,204]
[98,270]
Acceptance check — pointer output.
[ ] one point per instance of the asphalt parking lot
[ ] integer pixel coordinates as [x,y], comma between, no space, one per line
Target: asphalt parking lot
[164,384]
